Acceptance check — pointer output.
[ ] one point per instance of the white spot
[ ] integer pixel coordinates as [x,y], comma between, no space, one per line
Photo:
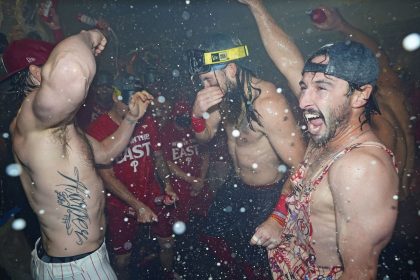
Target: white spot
[18,224]
[179,145]
[41,212]
[279,90]
[410,262]
[236,133]
[120,98]
[161,99]
[282,168]
[242,210]
[395,197]
[373,162]
[254,165]
[412,118]
[101,228]
[303,127]
[159,144]
[5,135]
[175,73]
[186,15]
[128,245]
[14,170]
[286,111]
[411,42]
[218,264]
[187,2]
[206,115]
[125,219]
[293,134]
[179,227]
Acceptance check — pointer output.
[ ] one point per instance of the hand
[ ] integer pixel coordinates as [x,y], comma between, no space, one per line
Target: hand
[144,214]
[197,185]
[172,194]
[98,41]
[334,19]
[267,234]
[138,105]
[206,98]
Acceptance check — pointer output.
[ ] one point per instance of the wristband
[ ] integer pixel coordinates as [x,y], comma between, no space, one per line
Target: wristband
[198,124]
[280,211]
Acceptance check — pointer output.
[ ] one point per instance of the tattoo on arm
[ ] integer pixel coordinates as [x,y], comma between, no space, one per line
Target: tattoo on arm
[73,199]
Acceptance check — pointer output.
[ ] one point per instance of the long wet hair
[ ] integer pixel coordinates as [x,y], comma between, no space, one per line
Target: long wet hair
[238,102]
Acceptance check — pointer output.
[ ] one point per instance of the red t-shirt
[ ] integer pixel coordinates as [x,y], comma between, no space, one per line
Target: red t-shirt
[135,166]
[181,148]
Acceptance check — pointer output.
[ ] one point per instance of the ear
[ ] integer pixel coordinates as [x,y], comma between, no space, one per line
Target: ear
[36,73]
[360,97]
[115,98]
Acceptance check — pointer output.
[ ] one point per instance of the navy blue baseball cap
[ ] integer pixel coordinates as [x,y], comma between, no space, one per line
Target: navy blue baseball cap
[350,61]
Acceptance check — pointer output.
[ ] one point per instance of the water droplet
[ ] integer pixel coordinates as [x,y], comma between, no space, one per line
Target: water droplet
[395,197]
[186,15]
[411,42]
[5,135]
[179,145]
[254,165]
[179,227]
[175,73]
[41,212]
[18,224]
[14,170]
[279,90]
[187,2]
[282,168]
[236,133]
[206,115]
[242,210]
[161,99]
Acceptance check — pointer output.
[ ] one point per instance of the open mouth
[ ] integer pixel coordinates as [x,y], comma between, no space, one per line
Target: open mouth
[314,120]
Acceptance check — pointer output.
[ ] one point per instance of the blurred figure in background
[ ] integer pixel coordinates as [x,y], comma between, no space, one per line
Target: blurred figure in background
[132,185]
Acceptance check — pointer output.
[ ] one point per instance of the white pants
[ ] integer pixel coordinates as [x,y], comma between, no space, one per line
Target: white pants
[94,266]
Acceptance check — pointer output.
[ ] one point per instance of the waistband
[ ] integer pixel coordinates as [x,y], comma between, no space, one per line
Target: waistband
[278,183]
[42,254]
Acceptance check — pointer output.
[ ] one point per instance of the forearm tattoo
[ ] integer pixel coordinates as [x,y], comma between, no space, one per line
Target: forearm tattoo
[73,199]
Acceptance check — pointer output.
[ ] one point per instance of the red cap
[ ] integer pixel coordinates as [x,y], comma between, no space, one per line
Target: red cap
[181,108]
[22,53]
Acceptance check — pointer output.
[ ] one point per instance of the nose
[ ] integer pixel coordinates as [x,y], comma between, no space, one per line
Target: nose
[305,99]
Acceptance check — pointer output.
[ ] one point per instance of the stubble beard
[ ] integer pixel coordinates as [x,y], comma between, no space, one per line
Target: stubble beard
[335,122]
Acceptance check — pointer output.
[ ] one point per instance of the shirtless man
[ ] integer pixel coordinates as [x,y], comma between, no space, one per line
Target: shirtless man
[390,127]
[57,159]
[262,134]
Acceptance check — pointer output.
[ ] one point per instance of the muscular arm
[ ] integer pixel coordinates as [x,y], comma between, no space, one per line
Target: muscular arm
[363,184]
[279,46]
[66,77]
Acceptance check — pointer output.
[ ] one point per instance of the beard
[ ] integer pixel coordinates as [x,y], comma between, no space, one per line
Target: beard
[337,119]
[232,103]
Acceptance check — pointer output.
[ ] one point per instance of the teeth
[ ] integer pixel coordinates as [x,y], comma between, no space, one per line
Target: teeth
[311,116]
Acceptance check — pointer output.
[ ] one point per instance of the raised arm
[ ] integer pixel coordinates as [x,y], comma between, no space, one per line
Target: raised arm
[363,185]
[109,148]
[65,78]
[279,46]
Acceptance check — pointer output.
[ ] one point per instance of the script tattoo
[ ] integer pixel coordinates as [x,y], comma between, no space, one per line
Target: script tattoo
[73,198]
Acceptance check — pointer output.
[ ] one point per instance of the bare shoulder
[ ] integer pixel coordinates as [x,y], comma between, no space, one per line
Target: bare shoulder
[363,170]
[269,100]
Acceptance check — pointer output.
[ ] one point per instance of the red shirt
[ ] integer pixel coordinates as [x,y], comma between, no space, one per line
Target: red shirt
[135,166]
[181,148]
